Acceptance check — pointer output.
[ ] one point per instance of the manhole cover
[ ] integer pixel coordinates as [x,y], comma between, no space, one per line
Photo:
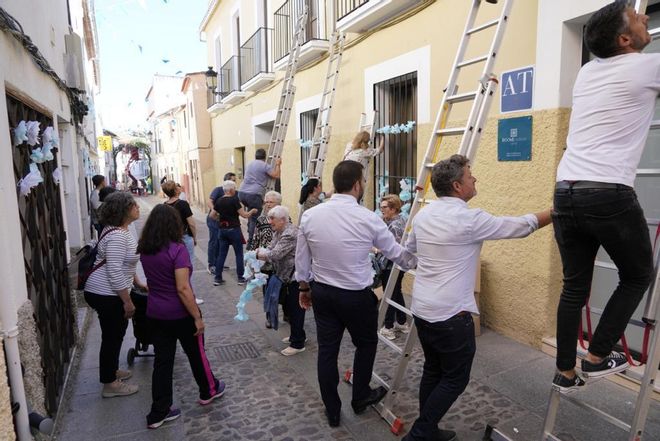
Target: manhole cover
[239,351]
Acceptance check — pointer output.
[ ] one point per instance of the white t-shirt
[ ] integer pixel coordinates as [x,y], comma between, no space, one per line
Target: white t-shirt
[613,104]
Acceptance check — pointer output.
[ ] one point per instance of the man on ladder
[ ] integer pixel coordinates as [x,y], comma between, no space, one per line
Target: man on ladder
[447,237]
[595,204]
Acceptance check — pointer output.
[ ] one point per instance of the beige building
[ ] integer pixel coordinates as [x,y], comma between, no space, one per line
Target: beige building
[397,60]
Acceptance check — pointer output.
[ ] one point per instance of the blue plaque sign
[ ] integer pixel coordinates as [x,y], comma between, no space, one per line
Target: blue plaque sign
[514,139]
[517,87]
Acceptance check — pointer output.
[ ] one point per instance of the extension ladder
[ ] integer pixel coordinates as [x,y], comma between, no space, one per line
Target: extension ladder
[286,98]
[471,135]
[368,122]
[319,148]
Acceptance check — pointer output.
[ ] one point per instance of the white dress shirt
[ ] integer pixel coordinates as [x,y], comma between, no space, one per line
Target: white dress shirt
[334,242]
[447,236]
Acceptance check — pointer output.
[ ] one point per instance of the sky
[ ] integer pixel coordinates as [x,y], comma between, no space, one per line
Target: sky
[137,39]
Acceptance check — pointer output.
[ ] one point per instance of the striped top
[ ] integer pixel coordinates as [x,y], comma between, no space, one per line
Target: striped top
[119,249]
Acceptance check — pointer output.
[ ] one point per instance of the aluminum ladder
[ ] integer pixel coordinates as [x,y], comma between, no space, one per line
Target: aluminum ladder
[319,148]
[287,96]
[471,135]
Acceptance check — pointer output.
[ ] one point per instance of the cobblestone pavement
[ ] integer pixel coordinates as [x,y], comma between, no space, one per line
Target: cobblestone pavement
[272,397]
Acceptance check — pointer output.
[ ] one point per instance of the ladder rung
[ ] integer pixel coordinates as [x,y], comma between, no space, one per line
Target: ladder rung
[392,346]
[451,131]
[399,307]
[488,24]
[429,164]
[461,97]
[473,61]
[596,411]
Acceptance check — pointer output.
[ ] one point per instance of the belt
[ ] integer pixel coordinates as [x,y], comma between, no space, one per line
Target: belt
[578,185]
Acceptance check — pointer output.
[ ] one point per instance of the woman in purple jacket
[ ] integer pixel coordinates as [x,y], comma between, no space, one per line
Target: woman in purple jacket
[172,313]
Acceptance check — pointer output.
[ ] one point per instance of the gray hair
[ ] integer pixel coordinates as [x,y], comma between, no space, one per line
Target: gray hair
[115,207]
[279,212]
[275,195]
[446,172]
[228,186]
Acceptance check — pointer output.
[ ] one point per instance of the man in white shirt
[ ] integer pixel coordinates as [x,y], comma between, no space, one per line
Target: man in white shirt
[334,241]
[595,205]
[447,237]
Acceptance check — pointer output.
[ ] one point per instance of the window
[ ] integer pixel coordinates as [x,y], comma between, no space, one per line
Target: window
[395,100]
[307,126]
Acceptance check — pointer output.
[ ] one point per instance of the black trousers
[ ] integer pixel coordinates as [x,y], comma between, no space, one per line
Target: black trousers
[397,296]
[449,347]
[584,220]
[110,310]
[165,334]
[335,310]
[296,315]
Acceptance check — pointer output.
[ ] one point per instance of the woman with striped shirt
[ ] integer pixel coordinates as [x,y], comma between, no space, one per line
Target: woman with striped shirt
[107,289]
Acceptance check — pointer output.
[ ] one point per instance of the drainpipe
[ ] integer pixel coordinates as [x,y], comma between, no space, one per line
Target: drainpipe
[10,337]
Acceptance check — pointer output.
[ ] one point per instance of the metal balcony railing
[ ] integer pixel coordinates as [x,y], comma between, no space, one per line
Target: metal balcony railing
[229,77]
[255,58]
[285,22]
[345,7]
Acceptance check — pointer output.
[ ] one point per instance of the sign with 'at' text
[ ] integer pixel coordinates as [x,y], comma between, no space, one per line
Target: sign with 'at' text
[517,89]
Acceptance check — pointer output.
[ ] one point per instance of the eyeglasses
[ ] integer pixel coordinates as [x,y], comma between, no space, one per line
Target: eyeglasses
[382,207]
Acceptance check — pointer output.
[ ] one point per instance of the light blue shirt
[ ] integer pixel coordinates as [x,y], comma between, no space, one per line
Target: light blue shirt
[256,177]
[334,242]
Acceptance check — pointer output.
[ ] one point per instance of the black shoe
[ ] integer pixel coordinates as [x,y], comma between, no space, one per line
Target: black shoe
[374,397]
[613,363]
[565,384]
[333,421]
[218,282]
[268,324]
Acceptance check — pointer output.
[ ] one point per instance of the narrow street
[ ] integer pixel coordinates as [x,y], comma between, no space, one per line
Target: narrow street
[272,397]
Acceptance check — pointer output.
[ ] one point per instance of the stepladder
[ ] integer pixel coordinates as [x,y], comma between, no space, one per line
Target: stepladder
[287,96]
[322,129]
[446,135]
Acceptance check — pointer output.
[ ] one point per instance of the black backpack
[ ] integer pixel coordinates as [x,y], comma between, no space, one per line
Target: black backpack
[82,264]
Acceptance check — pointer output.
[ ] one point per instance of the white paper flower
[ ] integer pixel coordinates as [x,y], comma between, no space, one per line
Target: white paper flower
[37,156]
[57,175]
[50,136]
[33,132]
[30,180]
[20,133]
[46,150]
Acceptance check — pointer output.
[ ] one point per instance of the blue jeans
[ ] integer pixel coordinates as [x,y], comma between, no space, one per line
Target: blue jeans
[449,347]
[585,219]
[251,200]
[190,246]
[213,240]
[226,237]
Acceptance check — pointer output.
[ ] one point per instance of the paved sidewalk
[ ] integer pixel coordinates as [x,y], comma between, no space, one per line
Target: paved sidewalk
[272,397]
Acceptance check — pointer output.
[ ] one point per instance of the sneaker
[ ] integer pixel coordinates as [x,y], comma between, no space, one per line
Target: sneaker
[288,351]
[199,301]
[218,282]
[118,389]
[565,384]
[388,333]
[123,375]
[171,415]
[404,328]
[613,363]
[287,340]
[241,281]
[211,270]
[220,390]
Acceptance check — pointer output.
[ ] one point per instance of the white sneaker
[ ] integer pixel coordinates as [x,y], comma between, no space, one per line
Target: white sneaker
[291,351]
[287,341]
[388,333]
[199,301]
[118,389]
[405,328]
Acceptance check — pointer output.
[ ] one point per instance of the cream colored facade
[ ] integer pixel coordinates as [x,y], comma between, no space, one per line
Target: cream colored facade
[521,279]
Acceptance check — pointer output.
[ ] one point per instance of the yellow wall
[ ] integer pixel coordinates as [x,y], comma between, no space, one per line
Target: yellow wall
[521,278]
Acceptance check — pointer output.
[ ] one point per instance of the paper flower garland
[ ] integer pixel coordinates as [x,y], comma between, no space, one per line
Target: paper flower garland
[397,128]
[33,132]
[32,179]
[305,144]
[50,137]
[255,279]
[303,178]
[37,156]
[20,133]
[57,175]
[405,195]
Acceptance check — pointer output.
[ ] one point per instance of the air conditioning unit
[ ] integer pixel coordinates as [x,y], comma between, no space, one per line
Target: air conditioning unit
[73,61]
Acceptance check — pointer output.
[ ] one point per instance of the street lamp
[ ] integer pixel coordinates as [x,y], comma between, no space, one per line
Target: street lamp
[211,79]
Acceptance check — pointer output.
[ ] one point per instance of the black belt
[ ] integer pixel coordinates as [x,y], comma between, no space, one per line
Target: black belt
[578,185]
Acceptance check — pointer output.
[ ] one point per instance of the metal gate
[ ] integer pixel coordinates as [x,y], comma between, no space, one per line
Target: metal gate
[44,257]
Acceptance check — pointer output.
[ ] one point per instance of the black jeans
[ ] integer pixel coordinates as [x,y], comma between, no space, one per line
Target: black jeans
[335,310]
[110,310]
[296,315]
[165,334]
[584,220]
[449,347]
[397,296]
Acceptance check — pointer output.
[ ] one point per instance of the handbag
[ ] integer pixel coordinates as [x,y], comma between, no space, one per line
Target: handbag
[377,271]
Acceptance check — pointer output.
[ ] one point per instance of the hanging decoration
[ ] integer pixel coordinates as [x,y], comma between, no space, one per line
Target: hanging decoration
[303,178]
[305,144]
[32,179]
[33,133]
[20,133]
[57,176]
[395,129]
[50,137]
[37,156]
[255,279]
[405,195]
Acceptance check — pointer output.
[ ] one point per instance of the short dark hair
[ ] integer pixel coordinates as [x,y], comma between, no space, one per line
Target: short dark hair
[169,188]
[345,175]
[604,27]
[228,176]
[446,172]
[162,227]
[260,154]
[114,209]
[98,180]
[104,192]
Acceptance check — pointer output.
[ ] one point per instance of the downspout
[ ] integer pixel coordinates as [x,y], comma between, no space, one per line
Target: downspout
[8,318]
